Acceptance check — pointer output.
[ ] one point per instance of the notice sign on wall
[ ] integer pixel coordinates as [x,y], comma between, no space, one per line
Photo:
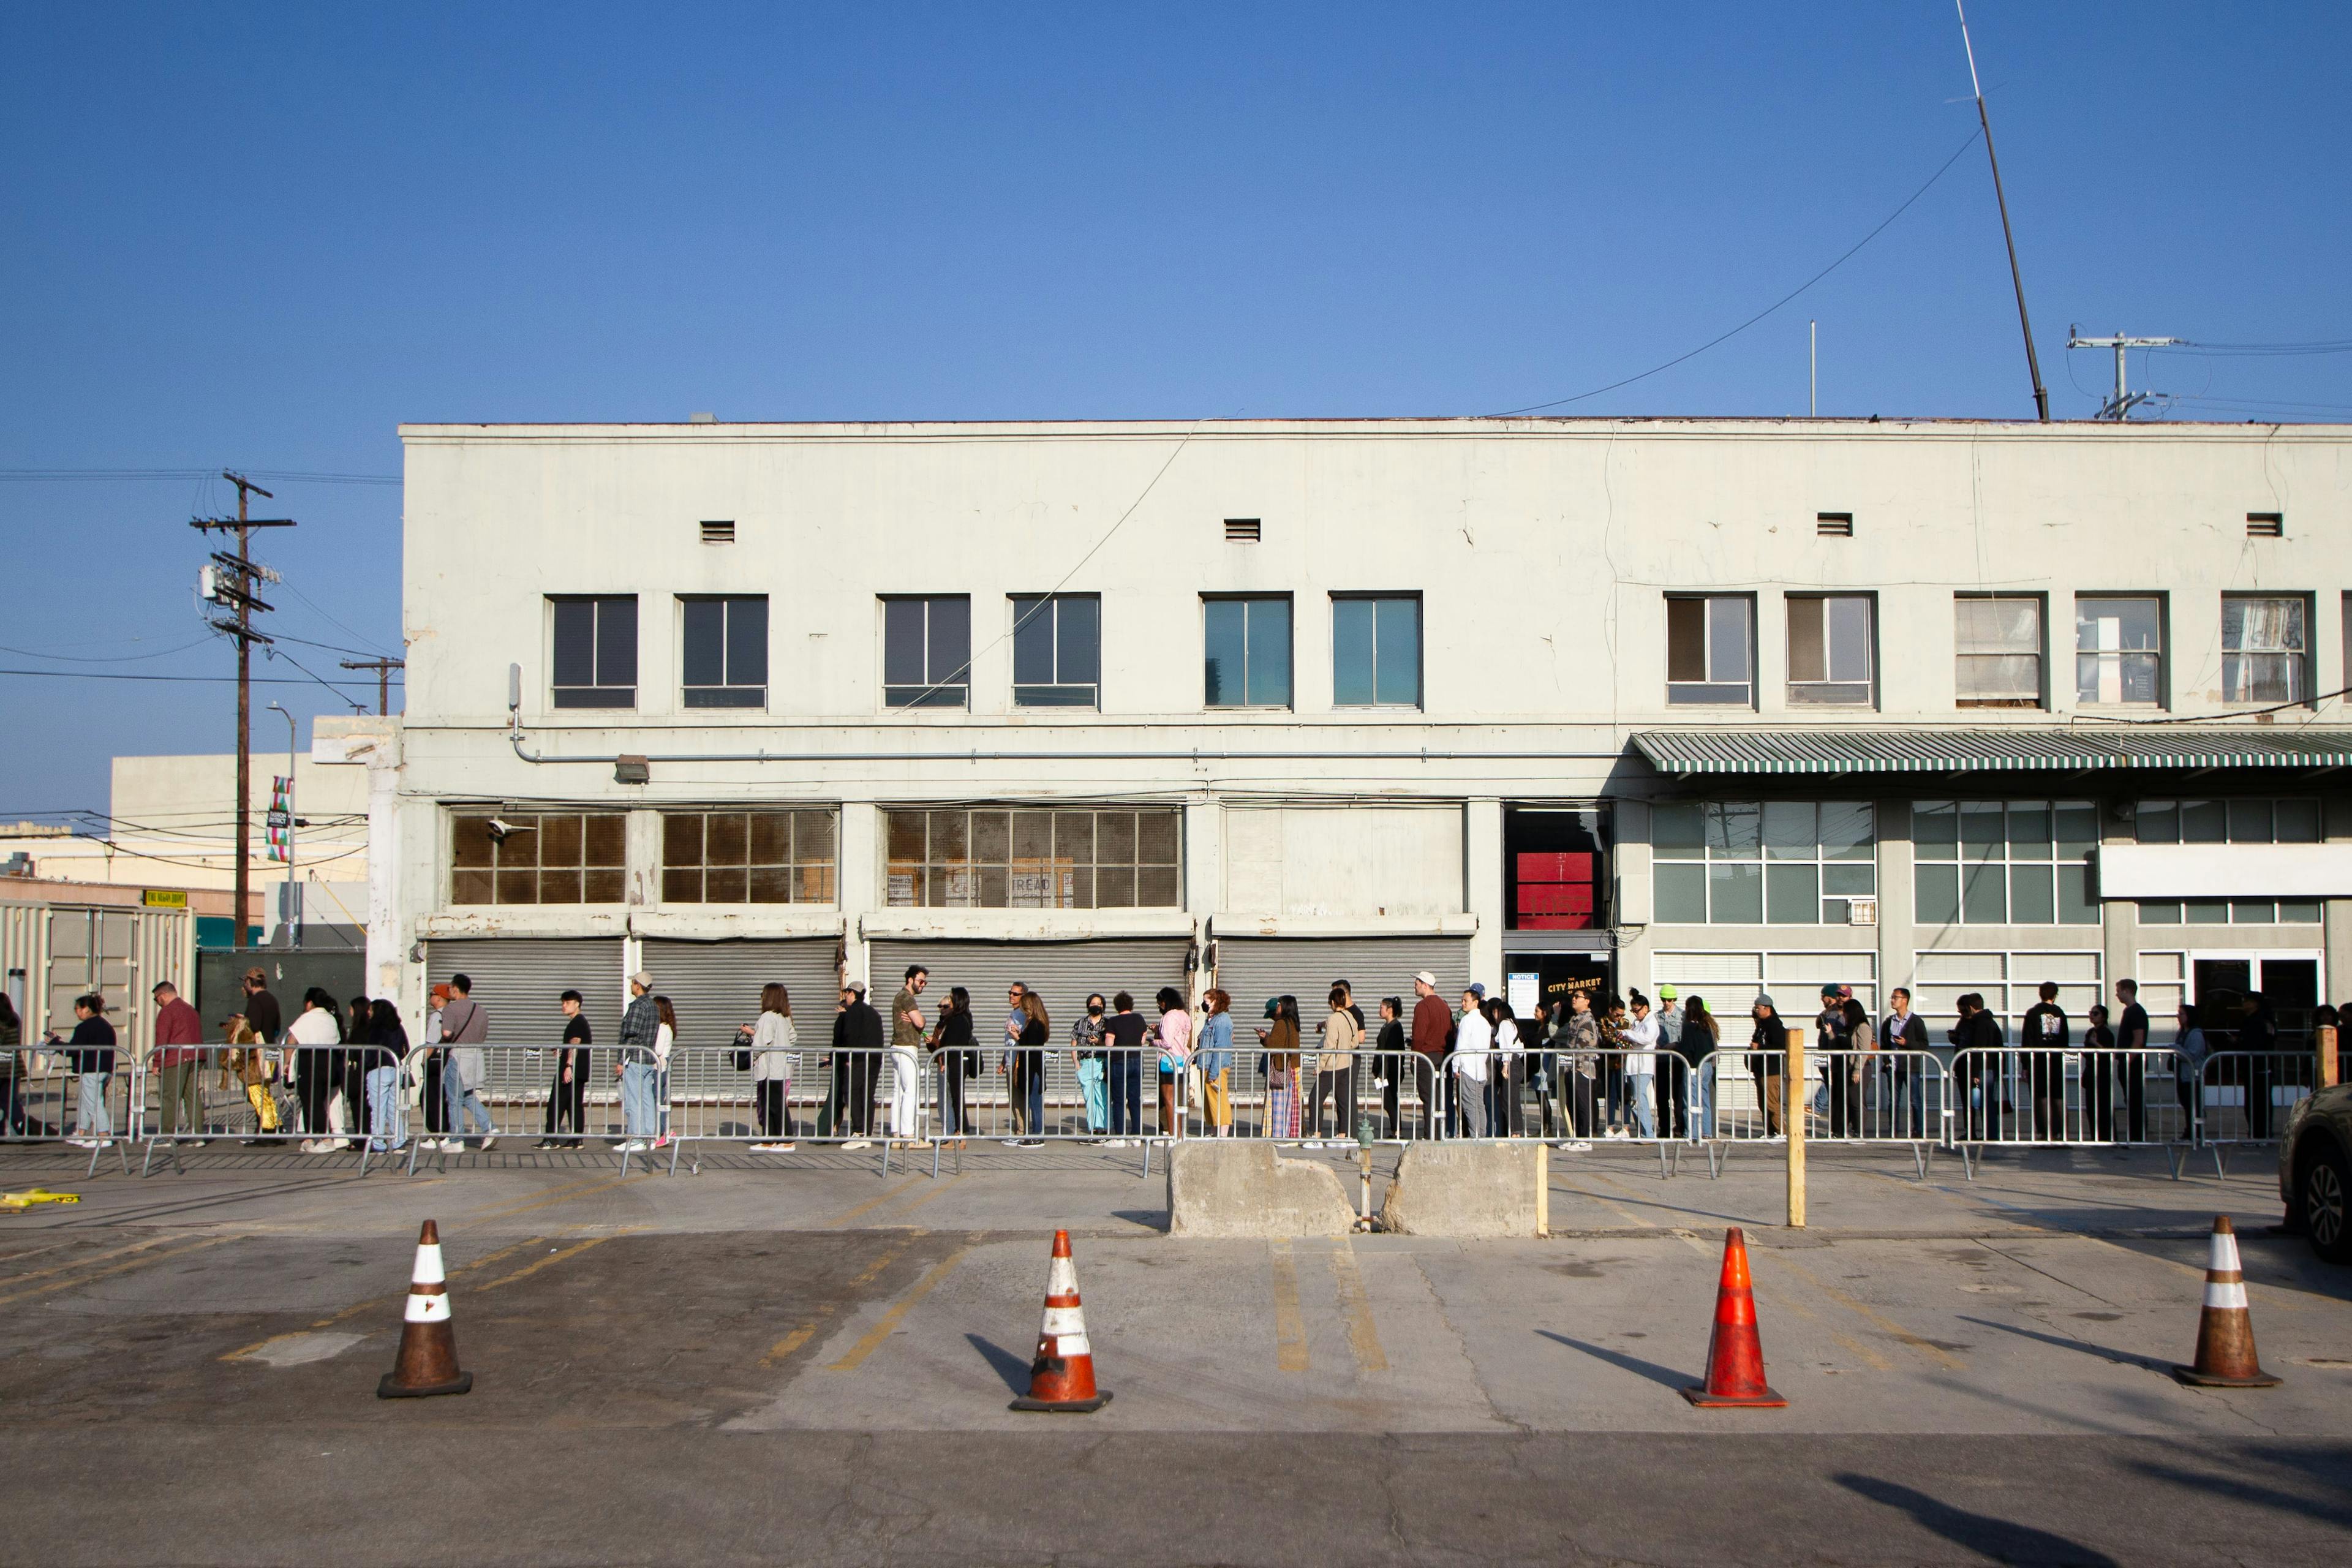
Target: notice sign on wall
[1524,989]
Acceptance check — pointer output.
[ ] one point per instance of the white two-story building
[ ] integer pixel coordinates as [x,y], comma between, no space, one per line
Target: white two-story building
[1730,704]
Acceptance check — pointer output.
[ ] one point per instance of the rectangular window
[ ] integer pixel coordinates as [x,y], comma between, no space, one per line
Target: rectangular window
[2288,820]
[595,652]
[1711,651]
[1990,862]
[1829,639]
[1999,650]
[1777,862]
[513,857]
[1247,644]
[748,856]
[726,651]
[1376,651]
[1010,857]
[2263,648]
[1057,651]
[2119,649]
[926,651]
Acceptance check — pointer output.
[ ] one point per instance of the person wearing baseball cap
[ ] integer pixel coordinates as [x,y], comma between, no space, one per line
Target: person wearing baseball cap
[1673,1086]
[1433,1036]
[640,1031]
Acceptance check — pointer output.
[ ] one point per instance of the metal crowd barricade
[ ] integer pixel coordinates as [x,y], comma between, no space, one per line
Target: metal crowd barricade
[1740,1101]
[2015,1097]
[2245,1098]
[1037,1097]
[1320,1098]
[1870,1096]
[1612,1101]
[714,1097]
[522,1094]
[43,1101]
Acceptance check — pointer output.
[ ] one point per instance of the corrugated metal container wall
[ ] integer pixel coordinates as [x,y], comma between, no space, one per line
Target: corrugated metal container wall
[714,986]
[1251,969]
[517,979]
[25,962]
[1062,972]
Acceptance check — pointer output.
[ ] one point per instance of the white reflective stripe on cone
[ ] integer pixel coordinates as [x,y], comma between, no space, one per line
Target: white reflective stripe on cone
[1065,1321]
[1062,1280]
[1069,1345]
[2225,1293]
[428,1309]
[428,1265]
[2224,1258]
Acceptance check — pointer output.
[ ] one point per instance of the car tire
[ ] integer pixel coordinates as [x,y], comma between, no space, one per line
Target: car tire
[2323,1185]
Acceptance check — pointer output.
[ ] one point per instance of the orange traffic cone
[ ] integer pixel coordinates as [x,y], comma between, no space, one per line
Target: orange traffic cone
[1062,1378]
[2225,1329]
[427,1362]
[1735,1356]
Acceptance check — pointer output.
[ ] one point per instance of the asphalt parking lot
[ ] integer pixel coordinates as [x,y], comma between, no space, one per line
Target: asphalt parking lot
[812,1364]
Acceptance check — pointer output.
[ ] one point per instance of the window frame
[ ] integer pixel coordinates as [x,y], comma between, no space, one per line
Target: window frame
[1960,655]
[1706,652]
[1796,689]
[687,693]
[1289,702]
[934,691]
[606,876]
[598,694]
[1053,603]
[2013,867]
[2174,913]
[1764,859]
[688,883]
[967,877]
[2299,657]
[2160,653]
[1376,598]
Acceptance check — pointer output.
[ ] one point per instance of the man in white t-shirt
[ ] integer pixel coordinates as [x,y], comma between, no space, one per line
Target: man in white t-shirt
[1474,1042]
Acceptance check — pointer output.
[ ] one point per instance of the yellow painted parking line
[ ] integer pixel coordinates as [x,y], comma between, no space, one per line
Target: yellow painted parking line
[1872,1316]
[383,1302]
[140,1262]
[867,1276]
[837,1221]
[574,1250]
[937,1188]
[1289,1330]
[565,1196]
[84,1262]
[1356,1307]
[889,1320]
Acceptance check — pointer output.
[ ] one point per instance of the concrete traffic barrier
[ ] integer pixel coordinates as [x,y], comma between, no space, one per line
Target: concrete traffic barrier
[1241,1188]
[1470,1189]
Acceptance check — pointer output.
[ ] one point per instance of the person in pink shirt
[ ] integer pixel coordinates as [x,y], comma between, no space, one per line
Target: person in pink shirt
[178,1059]
[1175,1056]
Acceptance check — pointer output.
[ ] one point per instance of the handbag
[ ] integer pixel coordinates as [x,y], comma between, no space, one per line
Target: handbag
[743,1050]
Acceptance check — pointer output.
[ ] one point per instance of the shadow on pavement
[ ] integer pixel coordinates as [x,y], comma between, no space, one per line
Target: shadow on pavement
[2121,1358]
[1011,1368]
[2002,1540]
[2330,1477]
[1664,1376]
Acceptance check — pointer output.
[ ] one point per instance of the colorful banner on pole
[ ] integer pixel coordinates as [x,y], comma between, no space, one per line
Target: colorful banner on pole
[281,815]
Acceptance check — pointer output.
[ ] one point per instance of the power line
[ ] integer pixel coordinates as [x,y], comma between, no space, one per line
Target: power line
[183,679]
[2323,346]
[115,658]
[61,476]
[1783,300]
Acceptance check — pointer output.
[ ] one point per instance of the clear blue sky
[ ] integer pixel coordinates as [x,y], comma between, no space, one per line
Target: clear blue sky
[262,237]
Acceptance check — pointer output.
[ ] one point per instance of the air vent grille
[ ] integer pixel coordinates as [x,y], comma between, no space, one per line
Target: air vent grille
[2265,525]
[719,534]
[1835,524]
[1242,530]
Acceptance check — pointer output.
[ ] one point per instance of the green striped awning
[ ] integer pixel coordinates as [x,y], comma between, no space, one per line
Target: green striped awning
[1987,751]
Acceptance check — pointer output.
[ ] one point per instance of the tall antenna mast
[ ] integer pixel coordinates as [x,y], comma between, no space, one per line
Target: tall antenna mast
[2032,364]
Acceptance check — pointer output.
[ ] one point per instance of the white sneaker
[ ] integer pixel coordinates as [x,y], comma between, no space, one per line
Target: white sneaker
[1578,1147]
[759,1148]
[1010,1142]
[1310,1145]
[858,1143]
[781,1148]
[634,1146]
[83,1143]
[488,1139]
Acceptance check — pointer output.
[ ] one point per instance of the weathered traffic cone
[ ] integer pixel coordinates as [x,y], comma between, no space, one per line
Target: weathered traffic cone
[2225,1329]
[427,1362]
[1735,1356]
[1062,1378]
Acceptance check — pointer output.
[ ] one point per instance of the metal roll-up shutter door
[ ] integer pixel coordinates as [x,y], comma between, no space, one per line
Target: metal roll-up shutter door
[517,980]
[1253,968]
[714,986]
[1062,972]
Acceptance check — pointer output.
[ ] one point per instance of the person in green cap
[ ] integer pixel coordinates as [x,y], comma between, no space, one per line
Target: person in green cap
[1674,1082]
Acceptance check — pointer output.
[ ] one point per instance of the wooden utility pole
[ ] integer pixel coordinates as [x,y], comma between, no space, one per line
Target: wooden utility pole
[238,595]
[383,668]
[1792,1122]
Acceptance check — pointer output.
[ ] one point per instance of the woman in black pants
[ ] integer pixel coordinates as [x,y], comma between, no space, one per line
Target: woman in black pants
[960,1060]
